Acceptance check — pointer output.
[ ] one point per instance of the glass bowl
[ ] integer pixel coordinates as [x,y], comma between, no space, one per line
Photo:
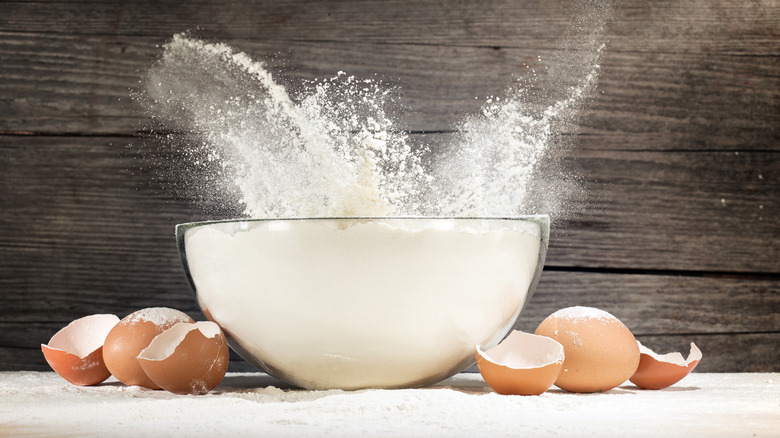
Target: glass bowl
[364,302]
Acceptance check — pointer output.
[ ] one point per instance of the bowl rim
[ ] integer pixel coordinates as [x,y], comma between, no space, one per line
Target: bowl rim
[187,225]
[543,220]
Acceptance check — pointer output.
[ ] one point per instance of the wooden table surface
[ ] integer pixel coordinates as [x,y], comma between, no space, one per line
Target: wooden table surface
[253,404]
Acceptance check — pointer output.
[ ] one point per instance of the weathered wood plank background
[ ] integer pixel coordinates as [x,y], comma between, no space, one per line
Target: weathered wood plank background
[679,154]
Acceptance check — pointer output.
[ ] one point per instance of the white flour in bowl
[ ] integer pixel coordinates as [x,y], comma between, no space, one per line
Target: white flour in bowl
[364,303]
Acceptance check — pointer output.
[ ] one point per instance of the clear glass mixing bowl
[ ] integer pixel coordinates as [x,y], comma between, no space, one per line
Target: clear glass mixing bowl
[363,302]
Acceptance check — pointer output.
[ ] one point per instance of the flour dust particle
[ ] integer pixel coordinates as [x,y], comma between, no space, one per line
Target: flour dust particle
[331,148]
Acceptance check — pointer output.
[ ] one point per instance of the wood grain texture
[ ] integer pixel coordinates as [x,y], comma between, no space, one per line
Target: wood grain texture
[748,352]
[712,75]
[690,211]
[674,227]
[686,211]
[666,312]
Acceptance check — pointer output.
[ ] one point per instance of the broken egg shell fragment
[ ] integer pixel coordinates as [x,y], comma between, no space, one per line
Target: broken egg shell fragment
[522,364]
[76,351]
[660,371]
[188,358]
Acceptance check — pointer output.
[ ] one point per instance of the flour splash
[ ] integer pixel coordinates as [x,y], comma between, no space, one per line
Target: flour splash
[331,149]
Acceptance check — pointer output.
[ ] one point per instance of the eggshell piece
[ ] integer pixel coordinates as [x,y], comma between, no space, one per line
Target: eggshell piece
[601,352]
[522,364]
[187,358]
[76,351]
[130,336]
[660,371]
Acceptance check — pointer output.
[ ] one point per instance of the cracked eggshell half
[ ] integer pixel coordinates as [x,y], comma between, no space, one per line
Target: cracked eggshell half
[601,352]
[76,351]
[130,336]
[660,371]
[188,358]
[522,364]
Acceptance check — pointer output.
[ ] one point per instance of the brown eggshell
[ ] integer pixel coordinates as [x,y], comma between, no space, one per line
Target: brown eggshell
[130,336]
[76,351]
[601,353]
[187,358]
[522,364]
[661,371]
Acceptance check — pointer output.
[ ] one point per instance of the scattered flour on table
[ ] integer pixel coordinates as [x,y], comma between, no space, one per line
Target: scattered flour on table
[701,405]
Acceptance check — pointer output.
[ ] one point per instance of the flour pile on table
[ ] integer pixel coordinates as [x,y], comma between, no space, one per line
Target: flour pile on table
[727,405]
